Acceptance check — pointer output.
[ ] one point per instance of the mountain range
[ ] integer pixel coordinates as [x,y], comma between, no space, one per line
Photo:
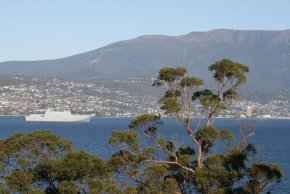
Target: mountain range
[267,53]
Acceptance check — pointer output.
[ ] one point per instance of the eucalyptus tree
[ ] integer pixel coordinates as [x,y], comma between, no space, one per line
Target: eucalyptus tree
[193,167]
[43,162]
[21,153]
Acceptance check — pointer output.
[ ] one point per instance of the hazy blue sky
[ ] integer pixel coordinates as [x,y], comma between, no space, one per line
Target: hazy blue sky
[39,29]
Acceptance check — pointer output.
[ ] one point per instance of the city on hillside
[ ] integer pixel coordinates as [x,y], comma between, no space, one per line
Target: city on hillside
[122,98]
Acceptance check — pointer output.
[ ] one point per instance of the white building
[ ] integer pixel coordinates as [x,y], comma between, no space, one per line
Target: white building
[249,112]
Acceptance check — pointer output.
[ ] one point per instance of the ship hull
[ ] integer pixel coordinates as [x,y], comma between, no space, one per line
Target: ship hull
[72,118]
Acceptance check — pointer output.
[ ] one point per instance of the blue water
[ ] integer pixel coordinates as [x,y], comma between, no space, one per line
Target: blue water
[271,137]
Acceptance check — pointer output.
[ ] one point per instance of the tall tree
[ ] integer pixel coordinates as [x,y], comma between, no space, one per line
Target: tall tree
[193,167]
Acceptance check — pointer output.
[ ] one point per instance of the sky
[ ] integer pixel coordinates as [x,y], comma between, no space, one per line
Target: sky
[49,29]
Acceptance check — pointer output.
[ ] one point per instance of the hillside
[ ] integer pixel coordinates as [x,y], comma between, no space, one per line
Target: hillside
[267,53]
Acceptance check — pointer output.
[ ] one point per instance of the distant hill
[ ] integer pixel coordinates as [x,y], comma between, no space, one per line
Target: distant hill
[267,53]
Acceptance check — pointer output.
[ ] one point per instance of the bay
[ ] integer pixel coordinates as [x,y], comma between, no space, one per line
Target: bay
[271,137]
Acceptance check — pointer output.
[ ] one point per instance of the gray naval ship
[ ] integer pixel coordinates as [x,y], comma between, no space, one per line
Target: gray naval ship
[51,115]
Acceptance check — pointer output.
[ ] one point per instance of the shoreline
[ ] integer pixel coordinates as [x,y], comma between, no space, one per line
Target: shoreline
[132,117]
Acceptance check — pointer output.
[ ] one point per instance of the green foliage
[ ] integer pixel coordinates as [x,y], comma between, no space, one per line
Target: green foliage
[261,176]
[154,181]
[168,145]
[25,150]
[169,74]
[148,123]
[98,186]
[212,103]
[128,139]
[79,166]
[229,76]
[186,150]
[20,181]
[170,105]
[48,171]
[202,93]
[42,162]
[235,159]
[226,134]
[172,94]
[68,187]
[21,154]
[191,82]
[145,121]
[130,156]
[230,94]
[267,171]
[222,173]
[232,71]
[207,136]
[179,84]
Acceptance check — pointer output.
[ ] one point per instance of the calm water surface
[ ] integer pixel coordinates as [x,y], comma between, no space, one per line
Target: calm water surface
[271,137]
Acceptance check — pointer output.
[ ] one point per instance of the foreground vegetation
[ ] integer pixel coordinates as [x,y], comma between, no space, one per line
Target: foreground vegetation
[42,162]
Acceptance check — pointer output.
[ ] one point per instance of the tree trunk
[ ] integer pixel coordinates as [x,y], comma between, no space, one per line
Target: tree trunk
[199,157]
